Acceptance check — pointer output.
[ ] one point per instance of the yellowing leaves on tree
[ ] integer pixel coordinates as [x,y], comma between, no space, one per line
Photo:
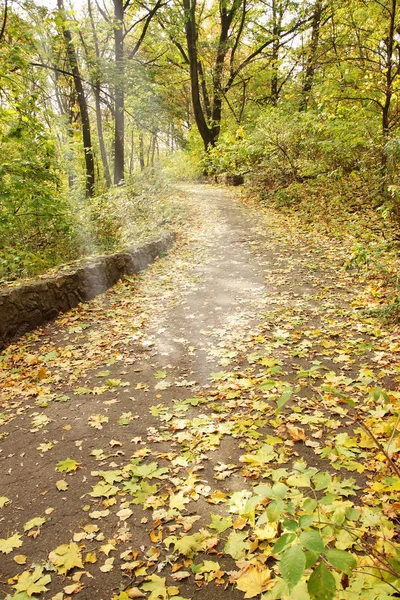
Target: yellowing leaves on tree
[66,557]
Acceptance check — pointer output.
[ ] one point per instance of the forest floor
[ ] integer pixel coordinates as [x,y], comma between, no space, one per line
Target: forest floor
[224,425]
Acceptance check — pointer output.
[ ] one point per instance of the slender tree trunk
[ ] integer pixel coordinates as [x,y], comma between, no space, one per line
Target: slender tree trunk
[82,103]
[191,40]
[131,157]
[390,74]
[141,151]
[119,122]
[311,58]
[96,90]
[226,17]
[276,44]
[153,149]
[99,123]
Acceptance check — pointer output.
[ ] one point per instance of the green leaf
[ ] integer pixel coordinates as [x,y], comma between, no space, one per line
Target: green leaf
[279,490]
[160,374]
[283,400]
[235,545]
[150,470]
[311,559]
[341,560]
[305,521]
[67,465]
[103,489]
[285,540]
[322,585]
[292,565]
[312,540]
[188,545]
[157,587]
[321,480]
[274,510]
[219,523]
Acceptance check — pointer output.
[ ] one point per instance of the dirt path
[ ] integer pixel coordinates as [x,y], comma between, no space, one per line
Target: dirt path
[162,438]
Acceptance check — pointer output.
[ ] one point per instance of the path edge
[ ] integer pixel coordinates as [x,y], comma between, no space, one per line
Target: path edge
[27,306]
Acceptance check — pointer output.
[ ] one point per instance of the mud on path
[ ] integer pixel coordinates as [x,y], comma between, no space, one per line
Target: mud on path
[158,441]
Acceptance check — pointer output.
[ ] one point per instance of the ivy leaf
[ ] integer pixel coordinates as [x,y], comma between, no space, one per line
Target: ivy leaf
[67,465]
[312,540]
[32,583]
[322,585]
[341,560]
[66,557]
[7,545]
[292,565]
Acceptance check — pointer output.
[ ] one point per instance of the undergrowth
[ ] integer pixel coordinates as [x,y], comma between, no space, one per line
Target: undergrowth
[338,210]
[121,216]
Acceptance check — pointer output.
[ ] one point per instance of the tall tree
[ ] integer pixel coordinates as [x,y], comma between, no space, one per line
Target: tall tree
[96,86]
[311,55]
[128,18]
[212,79]
[81,99]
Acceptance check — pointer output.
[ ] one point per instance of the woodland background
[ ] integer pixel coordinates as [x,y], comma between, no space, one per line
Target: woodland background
[105,103]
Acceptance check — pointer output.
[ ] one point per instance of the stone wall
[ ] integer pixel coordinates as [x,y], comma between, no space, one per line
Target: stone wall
[25,307]
[229,179]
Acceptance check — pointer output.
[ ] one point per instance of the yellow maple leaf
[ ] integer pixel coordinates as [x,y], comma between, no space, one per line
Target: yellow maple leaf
[253,580]
[66,557]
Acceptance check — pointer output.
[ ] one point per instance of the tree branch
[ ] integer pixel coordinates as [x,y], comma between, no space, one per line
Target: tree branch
[3,26]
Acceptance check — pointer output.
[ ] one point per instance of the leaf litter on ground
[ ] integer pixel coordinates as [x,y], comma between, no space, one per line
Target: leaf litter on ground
[307,404]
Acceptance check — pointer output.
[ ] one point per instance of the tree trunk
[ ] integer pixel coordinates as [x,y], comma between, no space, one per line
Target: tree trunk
[276,44]
[82,103]
[191,40]
[96,90]
[311,58]
[119,122]
[141,151]
[390,74]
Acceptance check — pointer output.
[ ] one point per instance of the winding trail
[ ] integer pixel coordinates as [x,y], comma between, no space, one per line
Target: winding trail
[163,391]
